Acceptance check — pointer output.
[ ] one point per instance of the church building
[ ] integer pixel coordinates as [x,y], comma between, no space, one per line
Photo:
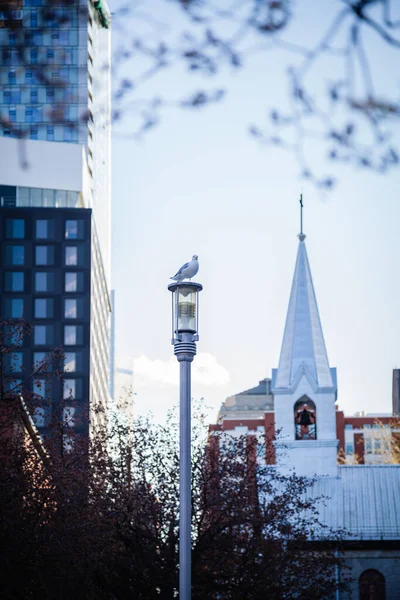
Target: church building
[316,438]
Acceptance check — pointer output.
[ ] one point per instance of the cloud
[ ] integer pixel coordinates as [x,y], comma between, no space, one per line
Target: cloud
[205,371]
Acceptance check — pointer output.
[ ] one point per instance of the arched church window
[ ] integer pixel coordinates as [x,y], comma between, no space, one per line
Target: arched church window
[305,419]
[372,585]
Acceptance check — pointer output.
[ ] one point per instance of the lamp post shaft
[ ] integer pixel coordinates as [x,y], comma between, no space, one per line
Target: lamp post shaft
[184,337]
[185,548]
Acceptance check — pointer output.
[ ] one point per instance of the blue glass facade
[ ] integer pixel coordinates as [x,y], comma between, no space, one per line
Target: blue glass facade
[39,73]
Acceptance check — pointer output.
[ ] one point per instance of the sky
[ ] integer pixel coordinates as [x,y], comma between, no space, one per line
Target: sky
[199,184]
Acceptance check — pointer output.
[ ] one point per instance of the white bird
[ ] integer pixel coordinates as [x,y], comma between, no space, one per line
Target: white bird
[188,270]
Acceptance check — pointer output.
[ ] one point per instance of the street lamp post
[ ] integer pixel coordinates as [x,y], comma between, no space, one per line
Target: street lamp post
[185,320]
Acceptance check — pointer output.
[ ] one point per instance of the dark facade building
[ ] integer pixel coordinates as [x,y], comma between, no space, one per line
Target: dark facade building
[46,280]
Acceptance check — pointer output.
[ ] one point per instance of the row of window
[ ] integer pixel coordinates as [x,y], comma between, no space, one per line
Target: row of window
[44,281]
[44,308]
[45,228]
[36,95]
[42,415]
[65,134]
[33,76]
[33,56]
[364,426]
[43,335]
[61,37]
[44,256]
[25,196]
[42,360]
[36,114]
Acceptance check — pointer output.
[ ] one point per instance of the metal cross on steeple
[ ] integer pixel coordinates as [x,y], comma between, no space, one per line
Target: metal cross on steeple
[301,214]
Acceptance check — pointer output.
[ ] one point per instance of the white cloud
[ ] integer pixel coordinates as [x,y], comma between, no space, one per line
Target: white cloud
[205,371]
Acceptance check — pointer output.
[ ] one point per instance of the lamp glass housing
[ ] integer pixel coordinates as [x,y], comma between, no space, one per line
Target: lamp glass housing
[186,309]
[185,305]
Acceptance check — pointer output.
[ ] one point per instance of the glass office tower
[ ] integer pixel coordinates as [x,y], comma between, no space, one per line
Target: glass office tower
[55,205]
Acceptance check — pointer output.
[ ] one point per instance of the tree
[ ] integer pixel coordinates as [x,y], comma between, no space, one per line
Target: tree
[97,517]
[349,115]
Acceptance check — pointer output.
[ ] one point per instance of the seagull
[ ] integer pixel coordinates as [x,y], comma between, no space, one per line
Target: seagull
[188,270]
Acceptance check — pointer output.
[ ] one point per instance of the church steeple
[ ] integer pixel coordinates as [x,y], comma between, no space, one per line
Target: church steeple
[303,347]
[304,385]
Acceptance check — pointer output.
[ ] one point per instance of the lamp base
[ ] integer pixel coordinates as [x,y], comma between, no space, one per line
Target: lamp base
[185,350]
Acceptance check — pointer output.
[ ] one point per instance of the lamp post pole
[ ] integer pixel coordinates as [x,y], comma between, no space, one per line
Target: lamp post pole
[184,337]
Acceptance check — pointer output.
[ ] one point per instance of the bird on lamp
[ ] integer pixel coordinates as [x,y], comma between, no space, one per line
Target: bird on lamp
[188,270]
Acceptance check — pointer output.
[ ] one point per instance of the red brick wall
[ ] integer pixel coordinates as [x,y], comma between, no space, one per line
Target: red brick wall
[359,447]
[270,436]
[340,422]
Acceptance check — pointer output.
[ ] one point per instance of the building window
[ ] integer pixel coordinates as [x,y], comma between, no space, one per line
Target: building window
[44,227]
[33,18]
[72,389]
[14,281]
[14,308]
[70,362]
[34,132]
[12,114]
[73,335]
[42,362]
[349,448]
[305,418]
[13,386]
[73,282]
[348,426]
[15,228]
[69,416]
[372,585]
[41,416]
[14,362]
[44,308]
[44,255]
[64,37]
[12,77]
[74,229]
[50,134]
[44,282]
[43,334]
[37,38]
[41,389]
[15,255]
[69,388]
[13,335]
[34,56]
[71,308]
[71,256]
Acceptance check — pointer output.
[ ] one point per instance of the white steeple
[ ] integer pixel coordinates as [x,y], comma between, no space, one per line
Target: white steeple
[304,385]
[303,347]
